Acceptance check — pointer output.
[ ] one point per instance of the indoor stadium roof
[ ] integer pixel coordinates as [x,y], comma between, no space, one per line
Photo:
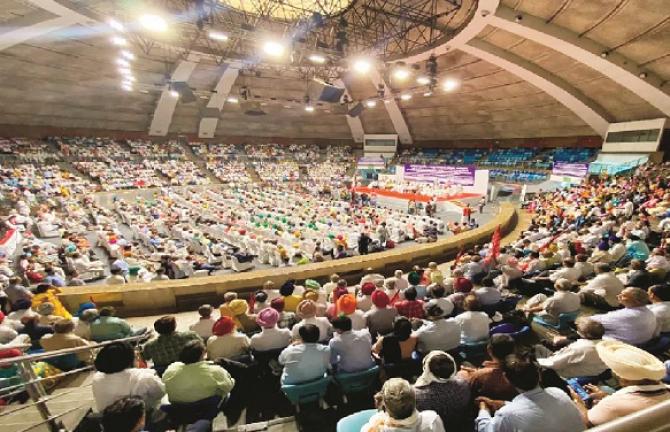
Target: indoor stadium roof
[521,68]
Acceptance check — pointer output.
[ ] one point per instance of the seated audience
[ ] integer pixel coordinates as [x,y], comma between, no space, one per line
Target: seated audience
[410,307]
[474,324]
[307,311]
[193,379]
[659,295]
[271,337]
[489,380]
[226,341]
[350,349]
[603,290]
[437,333]
[203,327]
[580,358]
[63,338]
[397,407]
[124,415]
[307,360]
[534,409]
[346,305]
[379,319]
[164,350]
[635,324]
[439,389]
[550,308]
[108,327]
[398,345]
[117,378]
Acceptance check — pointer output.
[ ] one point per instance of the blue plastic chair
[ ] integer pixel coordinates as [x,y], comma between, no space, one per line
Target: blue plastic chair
[473,350]
[355,422]
[564,321]
[357,382]
[312,391]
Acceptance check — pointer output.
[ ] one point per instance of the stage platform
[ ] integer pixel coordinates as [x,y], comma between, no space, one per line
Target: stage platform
[409,196]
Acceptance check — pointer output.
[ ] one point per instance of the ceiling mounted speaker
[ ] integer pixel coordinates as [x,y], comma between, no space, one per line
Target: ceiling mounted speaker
[252,108]
[186,95]
[320,91]
[356,110]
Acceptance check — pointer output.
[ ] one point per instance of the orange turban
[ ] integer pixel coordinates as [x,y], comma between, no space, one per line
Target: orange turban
[346,304]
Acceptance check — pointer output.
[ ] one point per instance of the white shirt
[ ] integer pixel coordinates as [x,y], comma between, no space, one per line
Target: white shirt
[488,295]
[444,303]
[442,334]
[606,285]
[585,268]
[662,313]
[633,326]
[562,302]
[325,329]
[570,273]
[203,327]
[427,421]
[7,334]
[474,326]
[270,339]
[357,320]
[580,358]
[108,388]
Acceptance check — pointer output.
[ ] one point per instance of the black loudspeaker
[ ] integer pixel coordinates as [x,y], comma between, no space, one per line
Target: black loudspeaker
[185,93]
[252,108]
[320,91]
[356,110]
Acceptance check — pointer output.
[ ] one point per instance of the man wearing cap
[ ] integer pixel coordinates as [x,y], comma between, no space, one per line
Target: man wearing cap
[437,332]
[307,311]
[634,324]
[639,374]
[379,319]
[271,337]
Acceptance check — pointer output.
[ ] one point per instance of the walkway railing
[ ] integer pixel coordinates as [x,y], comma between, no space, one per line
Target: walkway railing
[35,388]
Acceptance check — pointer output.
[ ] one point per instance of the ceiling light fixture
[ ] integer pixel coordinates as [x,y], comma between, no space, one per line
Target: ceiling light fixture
[309,108]
[125,71]
[218,36]
[127,87]
[450,84]
[119,41]
[122,62]
[406,96]
[232,99]
[317,59]
[400,73]
[129,78]
[362,66]
[371,103]
[423,80]
[127,55]
[154,23]
[273,49]
[116,25]
[174,93]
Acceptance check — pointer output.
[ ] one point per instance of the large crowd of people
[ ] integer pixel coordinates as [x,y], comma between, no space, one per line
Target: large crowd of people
[468,347]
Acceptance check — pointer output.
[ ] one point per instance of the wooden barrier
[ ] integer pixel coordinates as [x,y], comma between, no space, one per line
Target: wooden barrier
[139,299]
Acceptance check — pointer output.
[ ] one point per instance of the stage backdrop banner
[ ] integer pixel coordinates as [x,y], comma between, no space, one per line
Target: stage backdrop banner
[460,175]
[570,169]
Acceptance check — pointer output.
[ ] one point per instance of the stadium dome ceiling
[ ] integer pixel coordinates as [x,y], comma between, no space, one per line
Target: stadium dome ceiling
[502,68]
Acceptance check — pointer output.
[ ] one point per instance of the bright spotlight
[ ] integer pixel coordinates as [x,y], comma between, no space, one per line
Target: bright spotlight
[154,23]
[127,87]
[125,71]
[129,78]
[400,74]
[362,66]
[119,41]
[174,93]
[127,55]
[317,59]
[309,108]
[450,84]
[273,49]
[371,103]
[406,96]
[423,80]
[116,25]
[428,93]
[232,99]
[218,36]
[122,62]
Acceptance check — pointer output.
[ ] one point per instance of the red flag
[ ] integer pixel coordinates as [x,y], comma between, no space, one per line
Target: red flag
[495,245]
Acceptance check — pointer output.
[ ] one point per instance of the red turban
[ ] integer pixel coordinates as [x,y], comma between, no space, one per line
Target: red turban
[368,288]
[223,326]
[380,299]
[277,304]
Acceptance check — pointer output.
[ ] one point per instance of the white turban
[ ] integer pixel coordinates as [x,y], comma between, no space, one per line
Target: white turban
[630,362]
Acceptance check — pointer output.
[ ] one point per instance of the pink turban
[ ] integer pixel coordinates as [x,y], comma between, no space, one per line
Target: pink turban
[267,318]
